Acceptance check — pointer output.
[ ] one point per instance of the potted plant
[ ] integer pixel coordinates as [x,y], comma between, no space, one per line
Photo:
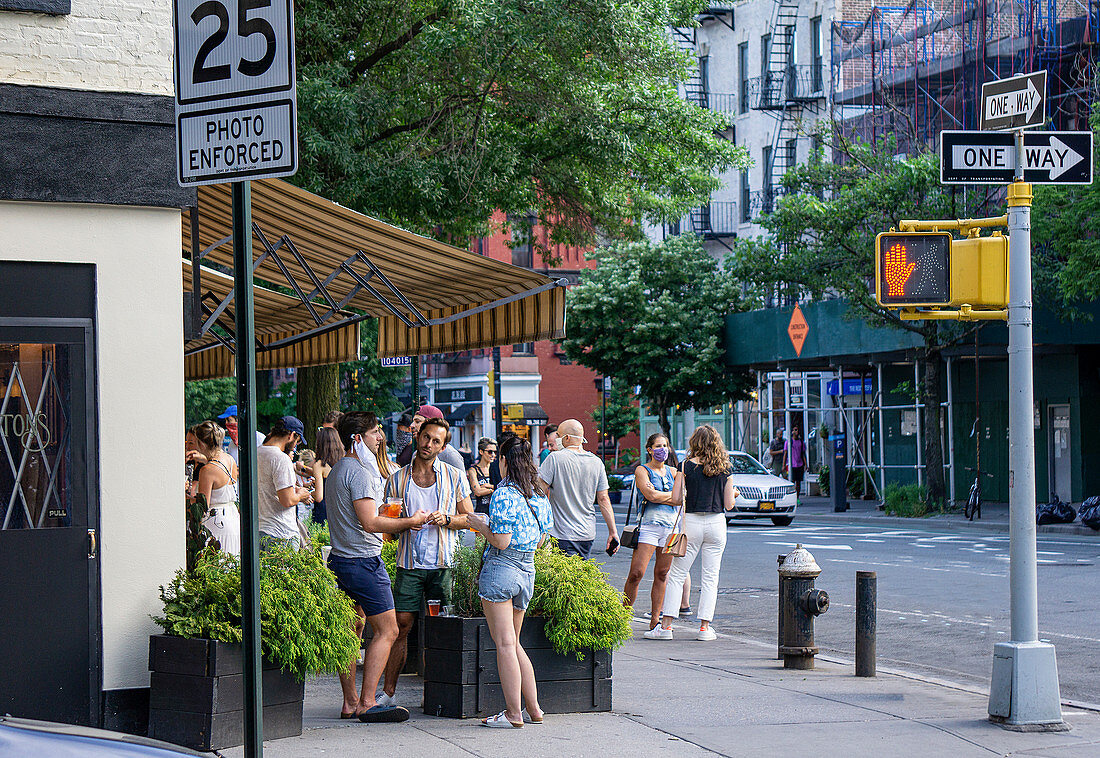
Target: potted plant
[615,488]
[574,622]
[196,695]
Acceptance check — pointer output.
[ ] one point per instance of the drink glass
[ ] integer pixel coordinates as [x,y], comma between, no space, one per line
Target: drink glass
[433,607]
[393,507]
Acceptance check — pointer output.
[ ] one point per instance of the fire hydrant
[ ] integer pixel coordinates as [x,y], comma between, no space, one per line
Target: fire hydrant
[799,603]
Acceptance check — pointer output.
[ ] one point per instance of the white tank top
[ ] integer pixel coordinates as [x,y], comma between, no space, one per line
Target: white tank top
[226,494]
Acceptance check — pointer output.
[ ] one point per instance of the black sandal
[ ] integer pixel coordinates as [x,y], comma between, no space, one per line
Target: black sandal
[384,714]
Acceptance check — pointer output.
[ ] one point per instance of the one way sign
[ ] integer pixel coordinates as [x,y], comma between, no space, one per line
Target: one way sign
[990,157]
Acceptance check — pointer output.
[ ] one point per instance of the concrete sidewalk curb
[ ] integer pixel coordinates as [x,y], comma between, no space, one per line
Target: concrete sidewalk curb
[890,671]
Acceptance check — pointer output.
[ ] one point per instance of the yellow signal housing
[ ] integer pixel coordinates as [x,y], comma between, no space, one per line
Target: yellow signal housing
[514,411]
[492,383]
[979,271]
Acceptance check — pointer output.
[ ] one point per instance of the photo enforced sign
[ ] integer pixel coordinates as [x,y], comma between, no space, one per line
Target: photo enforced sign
[236,107]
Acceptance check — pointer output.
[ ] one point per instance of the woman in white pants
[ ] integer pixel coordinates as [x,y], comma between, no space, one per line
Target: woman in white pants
[706,488]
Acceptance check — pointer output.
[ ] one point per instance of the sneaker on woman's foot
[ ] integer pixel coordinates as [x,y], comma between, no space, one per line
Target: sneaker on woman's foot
[658,633]
[706,635]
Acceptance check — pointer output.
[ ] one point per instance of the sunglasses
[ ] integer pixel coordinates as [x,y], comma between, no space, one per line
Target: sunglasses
[491,452]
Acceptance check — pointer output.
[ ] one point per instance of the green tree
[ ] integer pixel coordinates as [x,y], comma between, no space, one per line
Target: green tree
[205,399]
[1065,238]
[652,315]
[366,385]
[618,416]
[435,113]
[273,404]
[822,242]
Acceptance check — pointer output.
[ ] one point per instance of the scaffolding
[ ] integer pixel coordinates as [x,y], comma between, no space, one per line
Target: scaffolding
[918,69]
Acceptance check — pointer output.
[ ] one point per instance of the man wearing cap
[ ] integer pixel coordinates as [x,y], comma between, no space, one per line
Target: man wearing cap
[449,454]
[277,493]
[229,418]
[575,480]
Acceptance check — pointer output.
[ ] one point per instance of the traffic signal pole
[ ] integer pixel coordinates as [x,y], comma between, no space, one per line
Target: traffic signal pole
[1024,692]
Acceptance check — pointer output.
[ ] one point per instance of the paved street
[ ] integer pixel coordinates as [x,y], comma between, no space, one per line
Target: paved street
[943,595]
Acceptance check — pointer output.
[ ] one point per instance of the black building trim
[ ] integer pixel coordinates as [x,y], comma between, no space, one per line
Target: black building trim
[80,146]
[52,7]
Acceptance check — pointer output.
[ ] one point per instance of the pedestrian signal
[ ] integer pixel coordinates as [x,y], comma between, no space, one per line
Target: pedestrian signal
[913,268]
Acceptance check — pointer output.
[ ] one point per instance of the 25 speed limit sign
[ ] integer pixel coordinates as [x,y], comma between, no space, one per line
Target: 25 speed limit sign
[236,102]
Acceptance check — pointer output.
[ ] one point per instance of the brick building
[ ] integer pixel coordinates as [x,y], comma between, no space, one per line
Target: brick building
[533,374]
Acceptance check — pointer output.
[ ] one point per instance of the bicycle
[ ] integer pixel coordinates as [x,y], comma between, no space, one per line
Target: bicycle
[973,505]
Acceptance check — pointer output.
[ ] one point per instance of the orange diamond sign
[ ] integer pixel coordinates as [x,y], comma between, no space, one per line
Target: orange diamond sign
[797,330]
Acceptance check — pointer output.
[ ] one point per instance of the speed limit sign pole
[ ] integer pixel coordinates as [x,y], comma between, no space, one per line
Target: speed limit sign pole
[236,120]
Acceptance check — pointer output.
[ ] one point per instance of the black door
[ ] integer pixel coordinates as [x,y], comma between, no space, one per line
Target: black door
[49,566]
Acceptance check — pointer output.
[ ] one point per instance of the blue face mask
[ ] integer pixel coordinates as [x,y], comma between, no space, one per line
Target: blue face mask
[660,454]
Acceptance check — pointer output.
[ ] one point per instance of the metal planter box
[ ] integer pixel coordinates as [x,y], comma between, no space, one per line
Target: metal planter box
[196,694]
[461,678]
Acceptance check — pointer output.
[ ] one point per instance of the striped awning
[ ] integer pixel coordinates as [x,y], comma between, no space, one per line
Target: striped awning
[429,297]
[277,318]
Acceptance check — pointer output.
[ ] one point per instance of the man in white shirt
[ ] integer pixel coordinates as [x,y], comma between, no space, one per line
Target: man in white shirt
[575,480]
[276,492]
[424,557]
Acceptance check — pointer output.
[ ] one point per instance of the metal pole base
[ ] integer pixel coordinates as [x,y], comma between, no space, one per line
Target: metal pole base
[1024,693]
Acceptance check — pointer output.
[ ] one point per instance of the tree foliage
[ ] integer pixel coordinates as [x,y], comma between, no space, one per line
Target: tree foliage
[617,416]
[652,315]
[1065,238]
[206,399]
[821,243]
[434,113]
[366,385]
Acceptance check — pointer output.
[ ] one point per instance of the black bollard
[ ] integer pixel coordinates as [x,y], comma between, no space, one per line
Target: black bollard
[779,655]
[866,612]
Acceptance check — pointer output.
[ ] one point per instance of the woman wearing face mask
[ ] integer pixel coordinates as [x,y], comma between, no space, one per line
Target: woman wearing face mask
[656,516]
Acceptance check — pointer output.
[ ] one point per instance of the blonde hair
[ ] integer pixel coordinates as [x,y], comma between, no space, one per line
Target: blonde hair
[706,447]
[209,434]
[382,455]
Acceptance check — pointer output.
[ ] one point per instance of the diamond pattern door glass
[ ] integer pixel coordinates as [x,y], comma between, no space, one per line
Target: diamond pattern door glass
[35,443]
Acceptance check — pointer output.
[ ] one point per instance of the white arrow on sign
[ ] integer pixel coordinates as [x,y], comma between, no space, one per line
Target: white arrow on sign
[1058,157]
[1010,104]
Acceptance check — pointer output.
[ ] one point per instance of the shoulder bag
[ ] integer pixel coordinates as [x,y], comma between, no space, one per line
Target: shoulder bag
[677,542]
[629,537]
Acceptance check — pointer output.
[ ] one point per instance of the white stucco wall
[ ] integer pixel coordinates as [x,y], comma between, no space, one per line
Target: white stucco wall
[139,328]
[110,45]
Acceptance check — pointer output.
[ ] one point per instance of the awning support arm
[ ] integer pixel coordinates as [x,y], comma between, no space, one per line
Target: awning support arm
[362,281]
[282,267]
[397,293]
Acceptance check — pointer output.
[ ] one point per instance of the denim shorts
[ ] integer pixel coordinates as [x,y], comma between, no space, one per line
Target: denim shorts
[507,574]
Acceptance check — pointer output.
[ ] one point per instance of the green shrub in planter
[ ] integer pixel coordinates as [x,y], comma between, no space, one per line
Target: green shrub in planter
[306,622]
[906,500]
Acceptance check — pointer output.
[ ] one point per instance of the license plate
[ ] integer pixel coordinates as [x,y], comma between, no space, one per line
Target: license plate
[766,505]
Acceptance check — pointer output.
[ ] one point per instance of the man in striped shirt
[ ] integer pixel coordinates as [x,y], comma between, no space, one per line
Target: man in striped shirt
[424,557]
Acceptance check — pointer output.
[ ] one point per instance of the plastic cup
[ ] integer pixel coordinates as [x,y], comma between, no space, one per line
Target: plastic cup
[448,610]
[392,509]
[433,607]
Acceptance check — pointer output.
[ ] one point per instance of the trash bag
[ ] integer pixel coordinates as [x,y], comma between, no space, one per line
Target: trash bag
[1055,512]
[1090,513]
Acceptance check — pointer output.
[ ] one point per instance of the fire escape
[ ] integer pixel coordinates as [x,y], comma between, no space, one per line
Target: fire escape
[789,92]
[712,220]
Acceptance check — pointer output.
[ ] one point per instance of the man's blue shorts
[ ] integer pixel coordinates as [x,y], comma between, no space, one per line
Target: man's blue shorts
[365,580]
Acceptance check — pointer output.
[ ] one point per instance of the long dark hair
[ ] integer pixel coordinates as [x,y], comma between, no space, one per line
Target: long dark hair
[516,454]
[329,448]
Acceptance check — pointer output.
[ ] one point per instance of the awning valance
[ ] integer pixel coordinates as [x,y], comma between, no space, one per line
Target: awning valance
[430,297]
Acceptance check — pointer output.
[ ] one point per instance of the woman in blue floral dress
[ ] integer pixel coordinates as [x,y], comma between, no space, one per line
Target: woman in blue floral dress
[519,517]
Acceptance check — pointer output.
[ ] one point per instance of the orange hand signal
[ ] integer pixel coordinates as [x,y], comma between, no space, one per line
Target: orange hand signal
[898,269]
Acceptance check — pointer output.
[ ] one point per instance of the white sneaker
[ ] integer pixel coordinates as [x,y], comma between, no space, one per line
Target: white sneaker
[383,699]
[706,635]
[658,633]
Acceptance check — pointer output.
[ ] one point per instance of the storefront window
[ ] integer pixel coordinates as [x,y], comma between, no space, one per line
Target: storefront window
[35,444]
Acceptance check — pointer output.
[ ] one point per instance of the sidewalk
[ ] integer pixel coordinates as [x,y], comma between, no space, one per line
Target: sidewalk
[730,697]
[994,518]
